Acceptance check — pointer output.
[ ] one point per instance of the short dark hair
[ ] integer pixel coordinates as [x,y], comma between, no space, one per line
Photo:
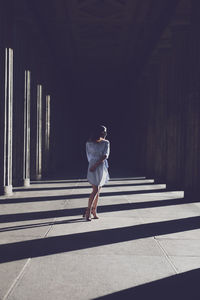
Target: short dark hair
[98,132]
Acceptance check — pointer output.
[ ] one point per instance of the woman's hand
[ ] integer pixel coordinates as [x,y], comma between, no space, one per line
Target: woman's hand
[93,168]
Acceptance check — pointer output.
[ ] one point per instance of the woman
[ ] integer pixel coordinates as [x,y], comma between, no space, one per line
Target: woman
[97,150]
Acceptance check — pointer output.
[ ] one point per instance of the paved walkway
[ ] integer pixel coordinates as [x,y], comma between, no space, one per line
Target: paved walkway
[146,244]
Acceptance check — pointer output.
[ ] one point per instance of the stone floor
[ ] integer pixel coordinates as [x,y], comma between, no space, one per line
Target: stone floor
[146,244]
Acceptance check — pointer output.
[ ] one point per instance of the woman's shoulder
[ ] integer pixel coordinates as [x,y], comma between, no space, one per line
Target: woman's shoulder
[97,143]
[105,141]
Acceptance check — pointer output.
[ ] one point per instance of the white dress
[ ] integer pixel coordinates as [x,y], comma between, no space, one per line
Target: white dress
[95,151]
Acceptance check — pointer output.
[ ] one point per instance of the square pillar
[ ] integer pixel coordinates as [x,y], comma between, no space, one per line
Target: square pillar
[26,157]
[6,120]
[39,133]
[46,132]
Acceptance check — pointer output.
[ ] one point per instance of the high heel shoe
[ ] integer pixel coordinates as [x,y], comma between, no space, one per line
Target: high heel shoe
[87,214]
[94,213]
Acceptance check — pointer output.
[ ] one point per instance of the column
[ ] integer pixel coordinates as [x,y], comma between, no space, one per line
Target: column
[20,49]
[26,157]
[163,86]
[192,128]
[36,114]
[6,96]
[150,95]
[177,107]
[33,121]
[46,136]
[6,120]
[47,128]
[39,133]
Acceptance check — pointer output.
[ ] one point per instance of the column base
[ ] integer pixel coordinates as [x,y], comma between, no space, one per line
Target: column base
[26,182]
[38,177]
[6,190]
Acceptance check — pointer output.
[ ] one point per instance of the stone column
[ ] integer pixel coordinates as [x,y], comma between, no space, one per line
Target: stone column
[163,86]
[177,108]
[33,122]
[26,158]
[39,133]
[47,133]
[48,97]
[145,97]
[36,110]
[6,96]
[20,48]
[40,72]
[46,136]
[155,93]
[6,119]
[150,95]
[192,128]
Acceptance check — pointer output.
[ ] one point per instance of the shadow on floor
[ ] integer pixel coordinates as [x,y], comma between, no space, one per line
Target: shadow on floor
[75,180]
[101,209]
[127,178]
[182,286]
[72,187]
[61,244]
[42,224]
[13,200]
[58,181]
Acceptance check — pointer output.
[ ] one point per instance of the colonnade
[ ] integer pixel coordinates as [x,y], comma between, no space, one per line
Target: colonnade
[169,92]
[25,86]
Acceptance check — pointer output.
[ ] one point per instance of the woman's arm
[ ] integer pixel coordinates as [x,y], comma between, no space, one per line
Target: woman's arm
[105,155]
[93,168]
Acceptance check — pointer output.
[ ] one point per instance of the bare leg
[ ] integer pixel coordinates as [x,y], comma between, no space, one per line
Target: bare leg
[90,201]
[94,204]
[93,196]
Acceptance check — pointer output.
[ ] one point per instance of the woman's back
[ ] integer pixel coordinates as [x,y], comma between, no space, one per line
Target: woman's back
[95,150]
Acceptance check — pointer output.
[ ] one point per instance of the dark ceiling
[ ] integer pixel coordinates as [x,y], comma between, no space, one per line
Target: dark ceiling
[111,35]
[99,47]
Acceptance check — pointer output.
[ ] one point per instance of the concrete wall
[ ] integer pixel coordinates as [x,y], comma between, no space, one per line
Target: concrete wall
[169,91]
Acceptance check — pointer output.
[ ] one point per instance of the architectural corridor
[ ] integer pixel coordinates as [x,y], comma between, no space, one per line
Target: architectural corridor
[128,64]
[145,244]
[134,67]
